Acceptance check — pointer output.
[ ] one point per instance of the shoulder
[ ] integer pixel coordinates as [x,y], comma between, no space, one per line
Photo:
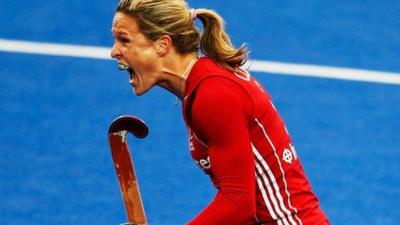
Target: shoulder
[219,92]
[217,100]
[219,108]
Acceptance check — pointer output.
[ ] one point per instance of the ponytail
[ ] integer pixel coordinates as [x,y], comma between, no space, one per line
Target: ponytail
[215,42]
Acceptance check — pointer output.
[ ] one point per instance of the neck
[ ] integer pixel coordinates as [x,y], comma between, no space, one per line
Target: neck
[177,70]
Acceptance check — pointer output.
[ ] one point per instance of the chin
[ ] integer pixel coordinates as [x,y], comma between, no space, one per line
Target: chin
[139,92]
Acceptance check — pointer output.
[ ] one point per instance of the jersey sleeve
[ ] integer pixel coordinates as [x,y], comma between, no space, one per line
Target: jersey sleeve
[219,114]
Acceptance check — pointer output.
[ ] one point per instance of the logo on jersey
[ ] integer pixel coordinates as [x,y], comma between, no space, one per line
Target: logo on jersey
[204,163]
[191,145]
[289,154]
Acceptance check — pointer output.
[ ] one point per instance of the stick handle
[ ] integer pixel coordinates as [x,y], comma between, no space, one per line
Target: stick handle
[127,178]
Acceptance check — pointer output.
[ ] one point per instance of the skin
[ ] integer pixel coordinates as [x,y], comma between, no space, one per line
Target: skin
[151,62]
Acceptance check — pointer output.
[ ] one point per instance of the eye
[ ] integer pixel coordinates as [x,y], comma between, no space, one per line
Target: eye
[124,40]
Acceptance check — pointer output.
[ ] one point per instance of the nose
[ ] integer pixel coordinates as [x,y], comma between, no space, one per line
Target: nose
[115,52]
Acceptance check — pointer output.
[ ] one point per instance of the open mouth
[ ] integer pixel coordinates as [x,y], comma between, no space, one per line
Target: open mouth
[130,70]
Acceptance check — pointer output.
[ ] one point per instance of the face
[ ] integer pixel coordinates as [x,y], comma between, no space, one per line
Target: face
[132,49]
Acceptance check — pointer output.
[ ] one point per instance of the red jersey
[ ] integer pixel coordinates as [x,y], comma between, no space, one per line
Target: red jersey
[237,137]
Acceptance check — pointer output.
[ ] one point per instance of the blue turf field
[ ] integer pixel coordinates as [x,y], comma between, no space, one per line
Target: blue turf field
[55,165]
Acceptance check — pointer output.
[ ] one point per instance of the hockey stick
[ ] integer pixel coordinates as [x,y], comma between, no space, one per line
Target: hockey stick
[117,137]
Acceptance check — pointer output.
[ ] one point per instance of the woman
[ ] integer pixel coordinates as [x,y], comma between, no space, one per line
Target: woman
[236,136]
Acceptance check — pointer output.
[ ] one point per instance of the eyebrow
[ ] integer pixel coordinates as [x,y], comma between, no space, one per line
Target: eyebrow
[119,32]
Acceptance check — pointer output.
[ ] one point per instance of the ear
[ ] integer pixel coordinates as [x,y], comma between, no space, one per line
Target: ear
[163,45]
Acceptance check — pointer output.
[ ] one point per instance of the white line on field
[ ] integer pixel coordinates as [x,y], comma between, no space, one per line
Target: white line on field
[54,49]
[263,66]
[325,72]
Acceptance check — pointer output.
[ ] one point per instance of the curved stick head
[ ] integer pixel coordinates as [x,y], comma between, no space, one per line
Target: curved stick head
[131,124]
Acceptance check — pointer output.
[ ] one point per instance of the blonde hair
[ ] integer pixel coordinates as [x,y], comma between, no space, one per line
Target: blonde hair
[173,17]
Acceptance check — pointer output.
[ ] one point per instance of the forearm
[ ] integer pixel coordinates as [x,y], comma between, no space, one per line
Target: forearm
[226,209]
[235,201]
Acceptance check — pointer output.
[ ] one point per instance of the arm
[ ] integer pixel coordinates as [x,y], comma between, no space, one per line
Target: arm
[219,114]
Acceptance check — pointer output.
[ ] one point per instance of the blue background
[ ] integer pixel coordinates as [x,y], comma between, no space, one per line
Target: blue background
[55,165]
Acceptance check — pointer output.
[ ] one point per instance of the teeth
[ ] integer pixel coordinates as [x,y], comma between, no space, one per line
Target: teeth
[122,66]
